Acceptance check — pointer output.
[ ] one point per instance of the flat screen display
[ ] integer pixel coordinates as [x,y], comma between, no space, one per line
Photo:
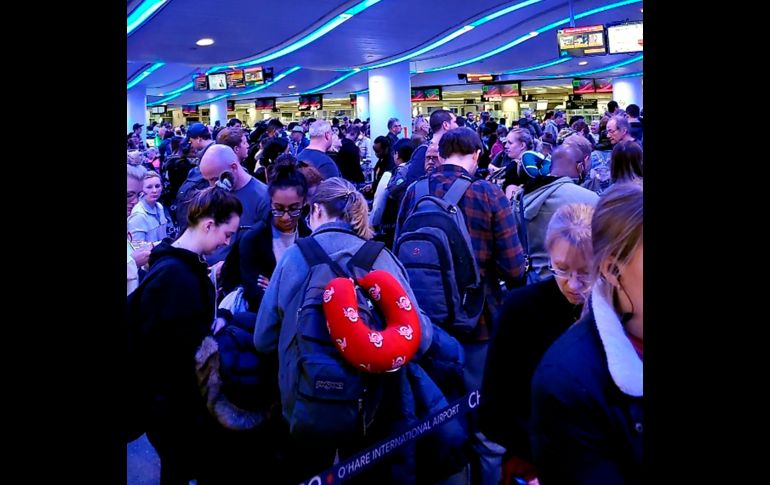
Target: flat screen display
[353,99]
[628,37]
[264,103]
[490,92]
[218,82]
[583,86]
[253,75]
[310,102]
[231,106]
[582,41]
[430,93]
[603,85]
[510,89]
[235,79]
[201,83]
[158,110]
[189,109]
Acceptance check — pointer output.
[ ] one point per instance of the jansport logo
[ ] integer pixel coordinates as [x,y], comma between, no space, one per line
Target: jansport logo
[329,385]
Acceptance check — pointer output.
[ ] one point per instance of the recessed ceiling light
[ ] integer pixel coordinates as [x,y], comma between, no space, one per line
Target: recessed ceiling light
[292,86]
[582,63]
[204,42]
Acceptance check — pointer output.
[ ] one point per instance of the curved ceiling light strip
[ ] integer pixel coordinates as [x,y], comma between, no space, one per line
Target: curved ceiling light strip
[530,35]
[137,79]
[633,74]
[141,13]
[593,71]
[539,66]
[333,82]
[164,100]
[253,90]
[455,34]
[312,36]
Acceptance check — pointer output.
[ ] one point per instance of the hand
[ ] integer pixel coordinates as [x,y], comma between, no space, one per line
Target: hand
[263,281]
[218,324]
[218,268]
[141,256]
[512,190]
[366,188]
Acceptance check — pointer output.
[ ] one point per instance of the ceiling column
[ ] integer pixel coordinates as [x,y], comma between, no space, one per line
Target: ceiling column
[362,106]
[137,108]
[628,90]
[390,96]
[218,112]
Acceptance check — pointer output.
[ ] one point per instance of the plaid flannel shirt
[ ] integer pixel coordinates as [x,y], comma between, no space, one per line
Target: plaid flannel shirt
[493,234]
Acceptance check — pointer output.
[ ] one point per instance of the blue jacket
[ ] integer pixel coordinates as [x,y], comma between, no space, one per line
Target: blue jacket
[587,404]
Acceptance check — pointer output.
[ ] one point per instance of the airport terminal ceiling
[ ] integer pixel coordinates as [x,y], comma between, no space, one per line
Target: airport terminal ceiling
[328,46]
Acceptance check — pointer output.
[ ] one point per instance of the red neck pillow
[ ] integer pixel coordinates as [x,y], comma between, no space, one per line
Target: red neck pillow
[364,348]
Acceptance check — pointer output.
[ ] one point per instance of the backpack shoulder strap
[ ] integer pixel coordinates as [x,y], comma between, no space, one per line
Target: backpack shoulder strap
[457,190]
[367,255]
[421,188]
[315,255]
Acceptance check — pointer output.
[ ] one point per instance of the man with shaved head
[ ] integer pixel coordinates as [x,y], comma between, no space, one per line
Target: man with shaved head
[251,192]
[546,193]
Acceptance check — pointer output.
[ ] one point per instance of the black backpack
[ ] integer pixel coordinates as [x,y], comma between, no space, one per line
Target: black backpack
[189,189]
[435,248]
[326,401]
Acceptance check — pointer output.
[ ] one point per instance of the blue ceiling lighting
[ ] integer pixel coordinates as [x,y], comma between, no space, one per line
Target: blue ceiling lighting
[144,74]
[333,82]
[633,74]
[532,34]
[594,71]
[142,13]
[363,91]
[164,100]
[455,34]
[539,66]
[312,36]
[182,89]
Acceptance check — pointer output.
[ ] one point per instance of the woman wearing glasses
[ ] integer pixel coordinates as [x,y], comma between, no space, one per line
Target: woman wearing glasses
[260,249]
[532,318]
[587,392]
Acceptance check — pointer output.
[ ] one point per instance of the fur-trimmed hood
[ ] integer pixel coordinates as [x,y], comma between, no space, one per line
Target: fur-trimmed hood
[626,368]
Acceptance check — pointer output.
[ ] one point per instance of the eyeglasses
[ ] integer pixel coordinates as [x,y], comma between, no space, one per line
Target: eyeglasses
[583,278]
[280,212]
[133,195]
[432,157]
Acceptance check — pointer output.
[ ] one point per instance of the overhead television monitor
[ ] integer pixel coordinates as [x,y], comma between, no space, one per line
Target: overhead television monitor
[158,110]
[582,41]
[603,85]
[477,78]
[231,106]
[509,89]
[253,75]
[490,92]
[189,109]
[218,81]
[310,102]
[201,83]
[583,86]
[353,99]
[429,93]
[235,79]
[264,103]
[268,74]
[627,37]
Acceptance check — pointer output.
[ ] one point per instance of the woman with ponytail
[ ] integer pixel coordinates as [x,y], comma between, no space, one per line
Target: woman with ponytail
[339,219]
[587,393]
[171,312]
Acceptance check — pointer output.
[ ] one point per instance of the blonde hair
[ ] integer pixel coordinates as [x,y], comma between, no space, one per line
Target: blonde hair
[151,174]
[341,199]
[572,223]
[617,229]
